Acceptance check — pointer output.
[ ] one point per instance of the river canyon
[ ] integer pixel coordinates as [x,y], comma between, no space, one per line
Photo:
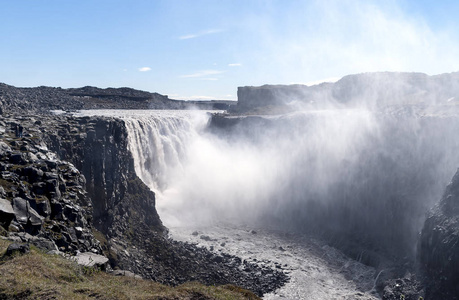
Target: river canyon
[330,185]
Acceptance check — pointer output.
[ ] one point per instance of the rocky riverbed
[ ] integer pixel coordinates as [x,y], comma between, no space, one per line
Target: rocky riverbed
[316,270]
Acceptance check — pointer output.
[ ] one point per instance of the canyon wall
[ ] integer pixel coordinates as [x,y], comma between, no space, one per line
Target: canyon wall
[369,90]
[438,247]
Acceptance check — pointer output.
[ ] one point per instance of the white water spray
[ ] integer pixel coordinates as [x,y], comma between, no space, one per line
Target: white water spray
[351,172]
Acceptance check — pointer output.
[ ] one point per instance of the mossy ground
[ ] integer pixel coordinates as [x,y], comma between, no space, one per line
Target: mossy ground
[37,275]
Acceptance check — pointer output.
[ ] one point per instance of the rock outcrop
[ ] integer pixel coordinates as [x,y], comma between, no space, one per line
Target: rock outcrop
[98,148]
[69,184]
[43,99]
[41,197]
[124,211]
[371,90]
[439,245]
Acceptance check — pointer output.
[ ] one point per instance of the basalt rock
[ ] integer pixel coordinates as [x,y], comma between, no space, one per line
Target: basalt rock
[70,176]
[42,99]
[90,259]
[43,200]
[6,213]
[17,249]
[98,148]
[439,245]
[124,212]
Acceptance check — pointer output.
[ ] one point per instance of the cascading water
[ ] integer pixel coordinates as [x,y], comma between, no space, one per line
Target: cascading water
[351,174]
[159,146]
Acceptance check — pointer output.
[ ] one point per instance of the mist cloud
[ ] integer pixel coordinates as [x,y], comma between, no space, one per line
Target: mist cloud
[322,39]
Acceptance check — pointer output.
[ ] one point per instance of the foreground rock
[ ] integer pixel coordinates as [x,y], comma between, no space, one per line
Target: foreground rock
[439,245]
[89,259]
[17,249]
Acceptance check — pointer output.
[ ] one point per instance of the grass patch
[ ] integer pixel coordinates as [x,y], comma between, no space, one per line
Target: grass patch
[6,185]
[37,275]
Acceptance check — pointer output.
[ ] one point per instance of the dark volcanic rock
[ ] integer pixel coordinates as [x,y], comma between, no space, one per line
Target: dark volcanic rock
[36,197]
[439,245]
[86,180]
[408,288]
[42,99]
[124,211]
[108,168]
[17,248]
[6,213]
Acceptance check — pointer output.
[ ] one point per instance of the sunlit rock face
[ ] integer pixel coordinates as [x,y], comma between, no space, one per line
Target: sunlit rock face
[439,244]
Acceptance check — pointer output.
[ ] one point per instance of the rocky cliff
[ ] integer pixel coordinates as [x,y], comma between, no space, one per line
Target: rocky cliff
[371,90]
[69,184]
[42,99]
[43,200]
[439,245]
[98,148]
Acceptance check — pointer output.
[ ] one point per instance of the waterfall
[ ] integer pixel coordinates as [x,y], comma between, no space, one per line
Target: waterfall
[159,142]
[352,173]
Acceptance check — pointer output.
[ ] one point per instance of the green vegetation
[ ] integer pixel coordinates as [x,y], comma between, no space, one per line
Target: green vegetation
[37,275]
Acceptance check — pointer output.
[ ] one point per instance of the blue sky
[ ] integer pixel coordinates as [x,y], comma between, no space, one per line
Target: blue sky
[200,49]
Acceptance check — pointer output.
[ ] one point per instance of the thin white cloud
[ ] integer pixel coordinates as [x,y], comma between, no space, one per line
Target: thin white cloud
[144,69]
[199,34]
[189,36]
[235,65]
[203,74]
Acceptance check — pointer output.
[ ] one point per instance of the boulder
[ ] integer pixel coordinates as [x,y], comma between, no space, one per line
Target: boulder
[126,273]
[89,259]
[4,148]
[44,208]
[33,173]
[18,159]
[6,213]
[17,248]
[34,218]
[43,244]
[26,214]
[20,207]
